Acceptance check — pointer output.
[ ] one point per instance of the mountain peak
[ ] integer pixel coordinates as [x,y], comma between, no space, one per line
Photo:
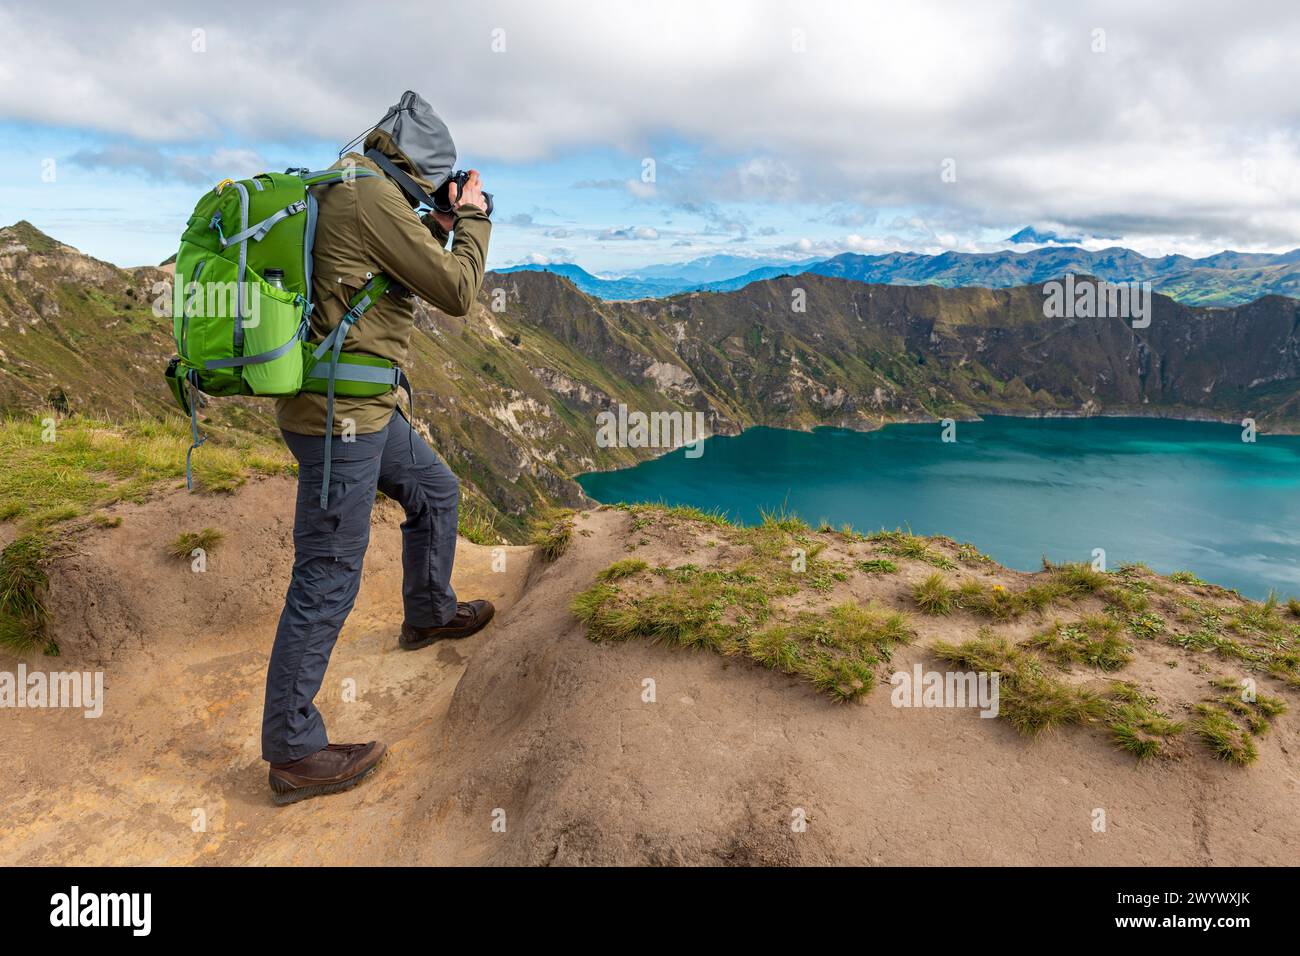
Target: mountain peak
[1030,234]
[28,235]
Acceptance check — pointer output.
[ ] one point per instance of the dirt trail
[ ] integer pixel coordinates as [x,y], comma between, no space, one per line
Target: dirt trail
[529,744]
[171,773]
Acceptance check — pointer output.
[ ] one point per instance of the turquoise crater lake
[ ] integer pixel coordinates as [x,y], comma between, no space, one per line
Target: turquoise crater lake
[1176,495]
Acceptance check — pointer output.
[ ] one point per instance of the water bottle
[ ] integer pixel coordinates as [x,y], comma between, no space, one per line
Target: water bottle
[274,277]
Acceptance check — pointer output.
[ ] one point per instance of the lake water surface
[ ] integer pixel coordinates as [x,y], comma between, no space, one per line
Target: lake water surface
[1177,495]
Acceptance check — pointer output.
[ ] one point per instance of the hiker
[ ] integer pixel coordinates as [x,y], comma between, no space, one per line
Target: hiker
[369,225]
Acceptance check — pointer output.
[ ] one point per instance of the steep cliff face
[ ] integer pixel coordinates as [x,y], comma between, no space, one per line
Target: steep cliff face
[858,355]
[510,393]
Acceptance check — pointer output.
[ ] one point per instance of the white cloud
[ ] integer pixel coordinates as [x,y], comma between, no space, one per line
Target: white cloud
[555,256]
[630,232]
[1184,127]
[164,165]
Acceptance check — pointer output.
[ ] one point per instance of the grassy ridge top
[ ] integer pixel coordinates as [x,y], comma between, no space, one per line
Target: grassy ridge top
[59,472]
[1074,646]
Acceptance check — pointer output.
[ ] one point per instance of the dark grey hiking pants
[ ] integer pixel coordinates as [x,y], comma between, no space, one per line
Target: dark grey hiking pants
[329,546]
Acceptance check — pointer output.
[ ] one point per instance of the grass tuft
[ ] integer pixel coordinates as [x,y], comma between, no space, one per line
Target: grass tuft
[474,523]
[1002,604]
[732,612]
[783,520]
[1227,739]
[1034,702]
[553,533]
[645,513]
[934,596]
[877,566]
[1136,726]
[1079,579]
[1094,640]
[969,554]
[903,544]
[23,583]
[1029,699]
[622,569]
[185,543]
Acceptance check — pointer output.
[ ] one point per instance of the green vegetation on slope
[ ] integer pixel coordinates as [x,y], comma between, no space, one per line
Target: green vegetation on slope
[748,609]
[56,471]
[821,606]
[1033,700]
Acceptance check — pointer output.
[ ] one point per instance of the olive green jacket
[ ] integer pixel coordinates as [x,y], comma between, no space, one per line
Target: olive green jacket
[366,225]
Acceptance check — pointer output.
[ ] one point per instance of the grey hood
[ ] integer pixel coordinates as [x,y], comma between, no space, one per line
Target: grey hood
[421,137]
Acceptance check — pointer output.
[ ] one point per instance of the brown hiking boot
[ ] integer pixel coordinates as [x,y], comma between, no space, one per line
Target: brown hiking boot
[471,617]
[336,768]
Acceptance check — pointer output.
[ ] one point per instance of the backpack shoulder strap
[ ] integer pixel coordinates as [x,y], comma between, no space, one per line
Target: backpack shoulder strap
[328,177]
[364,298]
[408,185]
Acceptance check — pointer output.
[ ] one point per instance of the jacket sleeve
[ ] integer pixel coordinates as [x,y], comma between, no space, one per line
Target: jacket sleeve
[408,251]
[440,235]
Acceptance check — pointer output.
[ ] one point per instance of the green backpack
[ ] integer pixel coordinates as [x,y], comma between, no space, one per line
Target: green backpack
[238,334]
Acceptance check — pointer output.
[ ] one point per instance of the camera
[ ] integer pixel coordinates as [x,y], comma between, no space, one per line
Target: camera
[442,195]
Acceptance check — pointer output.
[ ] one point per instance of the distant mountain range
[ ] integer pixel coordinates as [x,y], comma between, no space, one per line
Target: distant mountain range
[715,268]
[710,273]
[619,289]
[1223,279]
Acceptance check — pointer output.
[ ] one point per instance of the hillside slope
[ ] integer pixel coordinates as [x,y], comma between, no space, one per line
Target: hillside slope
[76,332]
[559,741]
[510,394]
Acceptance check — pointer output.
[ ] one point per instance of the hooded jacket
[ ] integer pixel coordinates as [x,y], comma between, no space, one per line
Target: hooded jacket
[367,226]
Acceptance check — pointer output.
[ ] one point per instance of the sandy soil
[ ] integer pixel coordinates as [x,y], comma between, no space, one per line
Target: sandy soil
[528,744]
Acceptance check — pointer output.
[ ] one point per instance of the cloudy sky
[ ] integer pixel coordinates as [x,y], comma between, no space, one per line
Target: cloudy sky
[618,134]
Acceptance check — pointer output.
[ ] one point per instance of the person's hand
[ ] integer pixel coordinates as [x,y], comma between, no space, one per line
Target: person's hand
[445,220]
[471,195]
